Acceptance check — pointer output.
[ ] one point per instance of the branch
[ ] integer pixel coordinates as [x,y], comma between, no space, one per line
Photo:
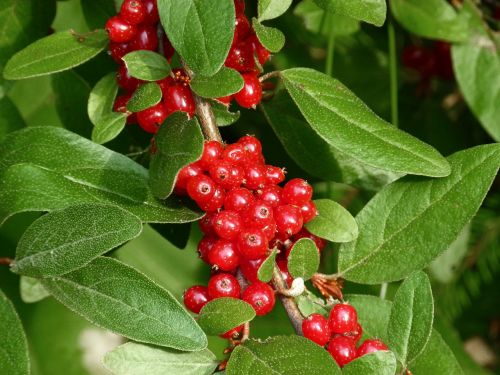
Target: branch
[288,303]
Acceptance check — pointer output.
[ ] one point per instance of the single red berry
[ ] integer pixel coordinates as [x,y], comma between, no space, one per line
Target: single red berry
[227,224]
[255,176]
[201,188]
[125,80]
[118,50]
[178,97]
[259,214]
[297,192]
[260,51]
[235,153]
[274,175]
[133,11]
[121,101]
[168,48]
[223,256]
[226,100]
[240,58]
[283,266]
[204,246]
[252,147]
[304,233]
[223,285]
[343,318]
[370,346]
[150,119]
[145,39]
[252,243]
[239,5]
[271,194]
[212,151]
[260,296]
[206,224]
[185,175]
[242,28]
[288,220]
[357,333]
[315,328]
[342,349]
[250,267]
[238,199]
[152,17]
[195,298]
[233,333]
[216,202]
[226,174]
[251,93]
[119,30]
[269,229]
[309,211]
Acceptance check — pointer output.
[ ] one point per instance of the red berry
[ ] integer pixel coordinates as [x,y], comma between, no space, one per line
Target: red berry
[419,59]
[150,119]
[168,49]
[240,58]
[239,6]
[269,229]
[260,51]
[226,100]
[251,93]
[120,30]
[283,266]
[178,97]
[270,194]
[223,285]
[121,101]
[304,233]
[343,318]
[274,175]
[252,243]
[185,175]
[250,267]
[235,153]
[145,39]
[152,17]
[204,246]
[342,349]
[133,11]
[357,333]
[125,80]
[226,174]
[370,346]
[315,328]
[238,199]
[227,224]
[212,151]
[297,192]
[260,296]
[206,224]
[201,188]
[309,211]
[288,220]
[195,298]
[252,147]
[223,256]
[259,213]
[216,202]
[255,176]
[233,333]
[241,27]
[118,50]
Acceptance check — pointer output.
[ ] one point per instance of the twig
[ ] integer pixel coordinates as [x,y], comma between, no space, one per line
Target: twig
[288,303]
[6,261]
[246,332]
[272,74]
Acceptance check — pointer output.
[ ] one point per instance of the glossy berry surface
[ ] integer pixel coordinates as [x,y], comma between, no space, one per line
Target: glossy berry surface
[342,349]
[343,318]
[223,285]
[151,9]
[201,188]
[308,211]
[297,192]
[150,119]
[178,97]
[233,333]
[315,328]
[212,151]
[370,346]
[252,243]
[226,174]
[195,298]
[288,220]
[133,11]
[238,199]
[260,296]
[250,268]
[205,245]
[184,175]
[251,93]
[120,30]
[227,224]
[146,38]
[223,256]
[125,80]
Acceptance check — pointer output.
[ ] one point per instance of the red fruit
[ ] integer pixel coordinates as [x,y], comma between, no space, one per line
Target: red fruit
[206,224]
[357,333]
[226,174]
[343,318]
[201,188]
[315,328]
[260,51]
[288,220]
[241,28]
[195,298]
[204,246]
[274,175]
[270,194]
[233,333]
[212,151]
[255,176]
[240,58]
[304,233]
[119,30]
[309,211]
[227,224]
[223,285]
[238,199]
[133,11]
[252,147]
[152,17]
[251,93]
[342,349]
[283,266]
[235,153]
[259,213]
[185,175]
[168,49]
[250,267]
[178,97]
[252,243]
[125,80]
[370,346]
[150,119]
[145,39]
[215,203]
[239,6]
[226,100]
[223,256]
[121,101]
[118,50]
[260,296]
[269,229]
[297,192]
[419,59]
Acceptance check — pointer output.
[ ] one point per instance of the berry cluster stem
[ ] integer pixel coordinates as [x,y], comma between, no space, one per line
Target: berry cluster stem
[6,261]
[288,303]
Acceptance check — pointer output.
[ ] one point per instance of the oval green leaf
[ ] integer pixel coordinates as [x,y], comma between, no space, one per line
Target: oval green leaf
[201,31]
[393,224]
[346,123]
[223,83]
[371,11]
[31,289]
[179,142]
[133,358]
[269,9]
[270,37]
[147,65]
[223,314]
[303,260]
[333,222]
[265,271]
[380,363]
[55,53]
[223,117]
[115,296]
[146,95]
[10,117]
[109,127]
[102,98]
[62,241]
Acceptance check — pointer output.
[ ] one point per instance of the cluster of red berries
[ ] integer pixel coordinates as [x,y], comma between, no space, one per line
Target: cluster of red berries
[136,28]
[342,332]
[429,62]
[248,214]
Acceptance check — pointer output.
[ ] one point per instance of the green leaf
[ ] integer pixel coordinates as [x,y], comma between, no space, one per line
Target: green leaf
[303,260]
[102,98]
[55,53]
[380,363]
[178,143]
[10,118]
[223,314]
[394,223]
[223,83]
[270,37]
[412,314]
[119,298]
[306,147]
[223,117]
[285,355]
[32,290]
[433,19]
[201,31]
[147,65]
[333,222]
[63,241]
[14,359]
[308,304]
[96,13]
[133,358]
[476,63]
[65,169]
[346,123]
[147,95]
[269,9]
[371,11]
[109,127]
[265,271]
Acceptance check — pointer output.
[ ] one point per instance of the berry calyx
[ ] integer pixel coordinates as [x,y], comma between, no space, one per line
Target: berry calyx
[343,318]
[260,296]
[201,188]
[342,349]
[315,328]
[223,285]
[195,298]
